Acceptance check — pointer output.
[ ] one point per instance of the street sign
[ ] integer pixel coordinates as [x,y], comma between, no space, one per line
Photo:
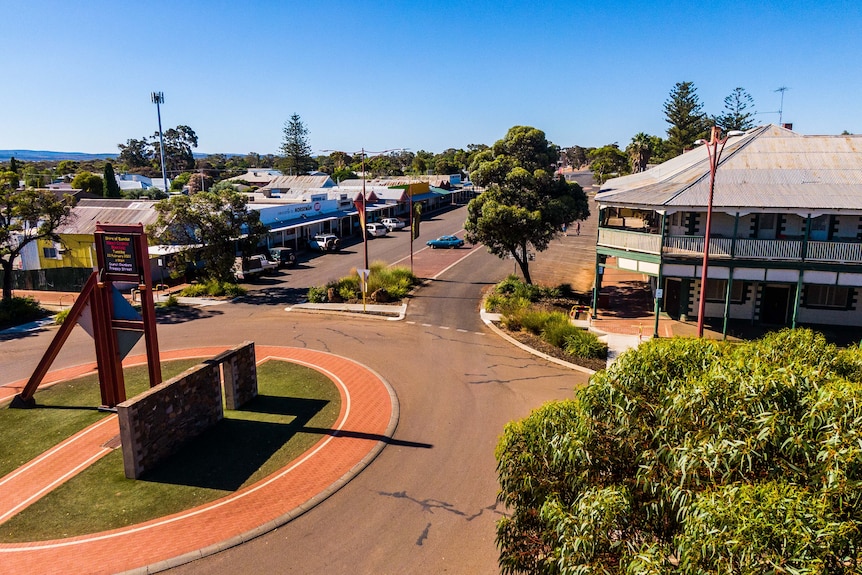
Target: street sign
[363,279]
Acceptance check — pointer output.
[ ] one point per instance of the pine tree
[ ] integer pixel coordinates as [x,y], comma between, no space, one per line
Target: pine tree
[13,165]
[112,188]
[735,116]
[688,123]
[295,146]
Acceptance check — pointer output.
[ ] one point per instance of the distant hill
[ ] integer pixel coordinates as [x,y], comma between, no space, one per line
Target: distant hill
[46,156]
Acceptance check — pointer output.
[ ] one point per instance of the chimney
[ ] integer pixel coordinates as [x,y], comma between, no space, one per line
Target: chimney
[787,125]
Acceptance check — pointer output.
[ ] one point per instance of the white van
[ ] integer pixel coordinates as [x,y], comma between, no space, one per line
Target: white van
[376,229]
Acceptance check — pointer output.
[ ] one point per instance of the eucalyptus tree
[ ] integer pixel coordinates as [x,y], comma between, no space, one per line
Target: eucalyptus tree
[214,226]
[693,456]
[524,204]
[26,216]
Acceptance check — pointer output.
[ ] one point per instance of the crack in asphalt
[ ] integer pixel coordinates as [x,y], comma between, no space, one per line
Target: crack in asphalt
[345,334]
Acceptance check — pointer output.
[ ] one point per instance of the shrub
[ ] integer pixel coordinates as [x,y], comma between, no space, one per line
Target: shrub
[530,320]
[557,329]
[213,288]
[582,343]
[397,281]
[61,317]
[316,294]
[20,310]
[512,286]
[170,301]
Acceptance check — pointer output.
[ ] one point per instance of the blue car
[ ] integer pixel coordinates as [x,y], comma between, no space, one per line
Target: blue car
[446,242]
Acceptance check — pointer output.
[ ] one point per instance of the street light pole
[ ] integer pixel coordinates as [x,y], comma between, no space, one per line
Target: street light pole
[158,98]
[364,217]
[714,148]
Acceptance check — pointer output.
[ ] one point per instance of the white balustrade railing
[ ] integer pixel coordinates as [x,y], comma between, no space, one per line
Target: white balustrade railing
[840,252]
[630,241]
[741,248]
[750,249]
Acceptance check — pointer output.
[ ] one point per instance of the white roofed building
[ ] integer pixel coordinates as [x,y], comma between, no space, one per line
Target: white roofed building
[786,234]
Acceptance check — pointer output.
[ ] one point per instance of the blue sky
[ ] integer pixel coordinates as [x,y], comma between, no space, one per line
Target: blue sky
[419,75]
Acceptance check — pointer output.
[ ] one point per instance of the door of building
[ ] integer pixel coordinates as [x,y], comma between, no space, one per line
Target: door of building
[672,290]
[773,305]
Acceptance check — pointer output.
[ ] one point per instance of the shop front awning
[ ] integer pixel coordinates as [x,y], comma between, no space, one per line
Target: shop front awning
[302,222]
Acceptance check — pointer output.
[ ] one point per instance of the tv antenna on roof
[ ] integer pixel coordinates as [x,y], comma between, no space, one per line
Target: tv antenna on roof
[780,110]
[782,89]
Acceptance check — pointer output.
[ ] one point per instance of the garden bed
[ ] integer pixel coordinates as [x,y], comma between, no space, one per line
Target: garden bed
[537,343]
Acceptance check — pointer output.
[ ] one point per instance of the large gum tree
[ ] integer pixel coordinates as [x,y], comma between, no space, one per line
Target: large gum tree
[525,203]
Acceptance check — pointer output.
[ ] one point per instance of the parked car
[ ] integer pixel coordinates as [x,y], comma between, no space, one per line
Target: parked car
[266,265]
[324,243]
[247,268]
[393,224]
[445,242]
[376,229]
[284,257]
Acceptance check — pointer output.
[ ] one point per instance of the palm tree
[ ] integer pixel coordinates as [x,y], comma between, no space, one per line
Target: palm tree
[639,151]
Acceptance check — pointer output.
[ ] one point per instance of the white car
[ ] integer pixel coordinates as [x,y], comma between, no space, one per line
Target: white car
[393,224]
[266,265]
[324,243]
[376,229]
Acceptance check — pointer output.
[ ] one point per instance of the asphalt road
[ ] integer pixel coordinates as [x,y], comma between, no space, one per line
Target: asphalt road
[427,504]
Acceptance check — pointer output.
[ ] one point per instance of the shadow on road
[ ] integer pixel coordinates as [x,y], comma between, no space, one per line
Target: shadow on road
[183,313]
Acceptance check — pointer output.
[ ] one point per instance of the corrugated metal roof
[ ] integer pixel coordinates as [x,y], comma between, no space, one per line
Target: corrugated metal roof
[298,183]
[87,213]
[767,168]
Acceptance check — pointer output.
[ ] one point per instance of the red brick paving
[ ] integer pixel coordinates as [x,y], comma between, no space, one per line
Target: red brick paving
[367,411]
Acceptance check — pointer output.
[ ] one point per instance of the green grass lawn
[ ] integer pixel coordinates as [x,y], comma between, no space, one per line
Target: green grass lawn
[65,409]
[294,407]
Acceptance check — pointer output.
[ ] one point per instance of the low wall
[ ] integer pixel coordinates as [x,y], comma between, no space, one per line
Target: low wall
[239,375]
[155,424]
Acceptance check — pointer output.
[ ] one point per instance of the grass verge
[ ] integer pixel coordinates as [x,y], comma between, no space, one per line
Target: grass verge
[295,407]
[65,408]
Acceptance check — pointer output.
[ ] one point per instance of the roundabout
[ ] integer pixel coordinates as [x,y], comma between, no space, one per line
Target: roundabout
[367,421]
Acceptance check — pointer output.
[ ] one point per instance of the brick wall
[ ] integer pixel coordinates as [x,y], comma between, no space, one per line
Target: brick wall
[240,375]
[156,423]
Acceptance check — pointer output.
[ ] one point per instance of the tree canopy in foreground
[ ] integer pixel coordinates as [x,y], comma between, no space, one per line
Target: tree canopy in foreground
[525,203]
[693,456]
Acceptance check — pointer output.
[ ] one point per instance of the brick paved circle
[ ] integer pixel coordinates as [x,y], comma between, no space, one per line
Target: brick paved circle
[369,414]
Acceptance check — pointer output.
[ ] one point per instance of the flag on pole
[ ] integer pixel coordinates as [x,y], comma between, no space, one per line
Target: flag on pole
[360,209]
[417,217]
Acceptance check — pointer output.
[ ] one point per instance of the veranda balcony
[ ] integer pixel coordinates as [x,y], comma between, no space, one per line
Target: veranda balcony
[846,252]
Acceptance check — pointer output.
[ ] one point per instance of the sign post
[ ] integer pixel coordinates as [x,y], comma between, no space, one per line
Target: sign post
[363,284]
[121,253]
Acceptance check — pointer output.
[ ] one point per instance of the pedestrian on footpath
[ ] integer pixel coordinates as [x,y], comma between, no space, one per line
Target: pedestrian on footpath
[565,227]
[578,228]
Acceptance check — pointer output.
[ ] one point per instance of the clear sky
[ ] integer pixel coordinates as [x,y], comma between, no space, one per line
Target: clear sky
[426,75]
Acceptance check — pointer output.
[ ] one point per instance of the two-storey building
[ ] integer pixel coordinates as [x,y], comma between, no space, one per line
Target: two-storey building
[786,236]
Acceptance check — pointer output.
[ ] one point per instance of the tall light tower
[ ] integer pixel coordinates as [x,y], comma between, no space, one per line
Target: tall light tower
[158,98]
